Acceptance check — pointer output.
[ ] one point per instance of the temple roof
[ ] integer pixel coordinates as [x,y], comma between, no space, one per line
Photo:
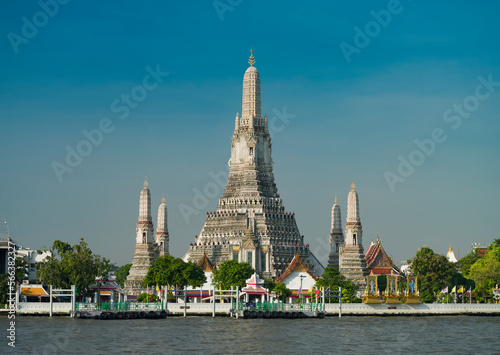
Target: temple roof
[250,242]
[254,285]
[205,264]
[254,280]
[107,285]
[33,290]
[296,265]
[377,260]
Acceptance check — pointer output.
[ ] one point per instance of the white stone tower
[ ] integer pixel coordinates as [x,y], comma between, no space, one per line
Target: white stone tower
[336,236]
[162,238]
[353,228]
[352,257]
[251,224]
[144,230]
[145,251]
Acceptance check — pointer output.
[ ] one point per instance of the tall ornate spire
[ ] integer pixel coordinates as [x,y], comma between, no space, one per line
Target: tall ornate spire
[352,257]
[251,94]
[145,252]
[251,200]
[162,238]
[236,123]
[336,219]
[145,203]
[353,205]
[336,236]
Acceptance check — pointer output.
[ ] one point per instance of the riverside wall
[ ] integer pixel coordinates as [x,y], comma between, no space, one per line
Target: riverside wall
[423,309]
[348,309]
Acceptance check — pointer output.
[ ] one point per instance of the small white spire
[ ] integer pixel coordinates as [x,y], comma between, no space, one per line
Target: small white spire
[237,122]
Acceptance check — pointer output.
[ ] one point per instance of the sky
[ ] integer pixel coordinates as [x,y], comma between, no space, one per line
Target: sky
[401,96]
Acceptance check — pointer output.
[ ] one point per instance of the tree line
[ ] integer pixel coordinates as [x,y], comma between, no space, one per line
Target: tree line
[435,272]
[76,265]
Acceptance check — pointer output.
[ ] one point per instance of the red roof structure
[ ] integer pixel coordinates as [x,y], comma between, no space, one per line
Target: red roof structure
[254,286]
[377,260]
[296,265]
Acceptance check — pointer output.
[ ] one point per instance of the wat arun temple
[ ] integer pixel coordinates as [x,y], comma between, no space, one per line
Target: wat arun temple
[251,223]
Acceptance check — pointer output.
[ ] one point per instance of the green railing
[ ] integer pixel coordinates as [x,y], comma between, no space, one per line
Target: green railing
[284,307]
[119,306]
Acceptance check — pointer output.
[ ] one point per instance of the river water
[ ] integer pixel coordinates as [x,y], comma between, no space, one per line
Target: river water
[350,335]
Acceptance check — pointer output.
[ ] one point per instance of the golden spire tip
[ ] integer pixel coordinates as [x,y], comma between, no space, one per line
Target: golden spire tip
[146,182]
[251,61]
[335,198]
[162,198]
[352,184]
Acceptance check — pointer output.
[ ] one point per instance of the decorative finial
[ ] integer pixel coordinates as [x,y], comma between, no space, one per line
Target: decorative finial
[335,198]
[352,185]
[146,182]
[378,237]
[237,115]
[251,61]
[162,198]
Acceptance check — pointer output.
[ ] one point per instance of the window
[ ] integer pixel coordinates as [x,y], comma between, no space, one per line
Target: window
[249,257]
[251,150]
[235,256]
[337,247]
[354,239]
[143,238]
[263,262]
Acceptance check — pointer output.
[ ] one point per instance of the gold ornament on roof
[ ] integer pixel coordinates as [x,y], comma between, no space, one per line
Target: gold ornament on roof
[251,61]
[162,198]
[352,185]
[146,182]
[335,198]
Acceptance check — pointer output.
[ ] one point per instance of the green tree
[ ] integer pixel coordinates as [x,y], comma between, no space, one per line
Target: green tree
[122,273]
[232,273]
[72,265]
[434,273]
[282,292]
[144,297]
[20,270]
[20,274]
[457,279]
[467,261]
[486,271]
[167,270]
[4,288]
[334,279]
[269,284]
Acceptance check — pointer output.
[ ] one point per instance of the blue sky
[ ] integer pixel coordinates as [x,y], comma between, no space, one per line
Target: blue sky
[354,117]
